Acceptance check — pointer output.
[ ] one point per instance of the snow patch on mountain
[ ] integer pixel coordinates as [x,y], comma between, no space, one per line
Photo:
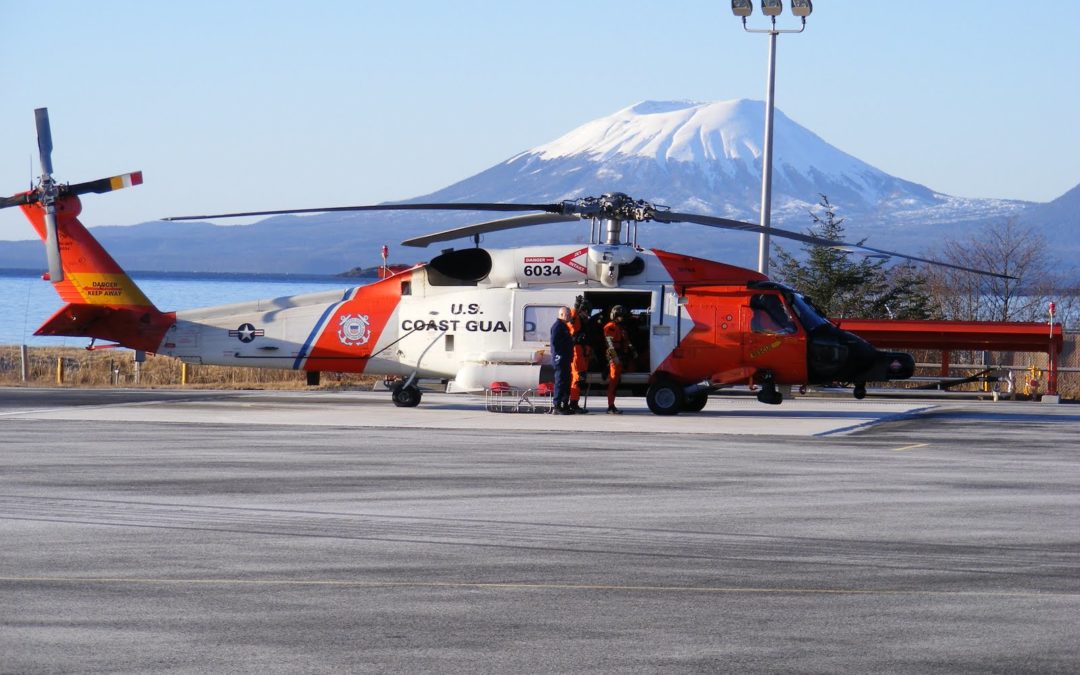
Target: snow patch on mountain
[723,138]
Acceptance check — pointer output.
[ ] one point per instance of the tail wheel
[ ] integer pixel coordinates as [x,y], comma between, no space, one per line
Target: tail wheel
[695,403]
[769,393]
[406,397]
[860,391]
[665,397]
[772,397]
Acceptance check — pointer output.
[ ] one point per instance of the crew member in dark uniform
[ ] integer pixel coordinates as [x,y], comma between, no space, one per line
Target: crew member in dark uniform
[562,353]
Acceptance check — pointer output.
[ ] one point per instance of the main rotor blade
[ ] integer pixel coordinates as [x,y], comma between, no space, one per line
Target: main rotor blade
[490,226]
[44,139]
[459,206]
[103,185]
[728,224]
[937,262]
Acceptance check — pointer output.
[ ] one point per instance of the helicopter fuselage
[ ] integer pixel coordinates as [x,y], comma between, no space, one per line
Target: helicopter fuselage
[474,316]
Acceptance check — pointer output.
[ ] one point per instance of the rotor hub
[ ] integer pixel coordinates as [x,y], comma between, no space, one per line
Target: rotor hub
[611,206]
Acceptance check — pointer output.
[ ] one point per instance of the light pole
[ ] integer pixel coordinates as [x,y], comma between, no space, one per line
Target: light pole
[771,9]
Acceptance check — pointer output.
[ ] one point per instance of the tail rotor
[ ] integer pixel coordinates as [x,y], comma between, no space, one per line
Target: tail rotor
[48,192]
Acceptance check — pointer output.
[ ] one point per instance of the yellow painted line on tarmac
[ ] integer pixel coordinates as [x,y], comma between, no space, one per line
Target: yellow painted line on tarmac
[524,586]
[911,447]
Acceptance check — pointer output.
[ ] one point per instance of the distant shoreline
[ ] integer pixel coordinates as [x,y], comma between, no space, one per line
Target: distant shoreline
[222,276]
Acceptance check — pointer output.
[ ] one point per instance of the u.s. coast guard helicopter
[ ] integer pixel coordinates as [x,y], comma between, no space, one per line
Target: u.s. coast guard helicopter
[473,316]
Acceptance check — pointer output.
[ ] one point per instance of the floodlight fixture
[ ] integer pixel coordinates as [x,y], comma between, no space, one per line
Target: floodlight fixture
[772,7]
[743,8]
[802,8]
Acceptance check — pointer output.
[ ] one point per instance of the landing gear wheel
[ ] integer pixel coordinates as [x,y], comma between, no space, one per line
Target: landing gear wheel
[860,391]
[770,396]
[665,397]
[406,397]
[695,403]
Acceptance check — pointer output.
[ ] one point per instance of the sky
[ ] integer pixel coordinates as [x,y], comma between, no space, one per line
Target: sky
[245,105]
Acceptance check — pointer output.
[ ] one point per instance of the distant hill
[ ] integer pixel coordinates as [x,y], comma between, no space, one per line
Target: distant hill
[1060,218]
[698,157]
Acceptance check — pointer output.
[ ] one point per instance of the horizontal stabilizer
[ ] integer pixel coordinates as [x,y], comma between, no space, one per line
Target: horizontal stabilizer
[135,328]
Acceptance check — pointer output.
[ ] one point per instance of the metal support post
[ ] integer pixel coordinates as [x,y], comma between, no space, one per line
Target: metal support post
[766,161]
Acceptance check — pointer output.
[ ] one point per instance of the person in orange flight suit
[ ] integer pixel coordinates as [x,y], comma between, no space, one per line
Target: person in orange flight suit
[579,367]
[619,347]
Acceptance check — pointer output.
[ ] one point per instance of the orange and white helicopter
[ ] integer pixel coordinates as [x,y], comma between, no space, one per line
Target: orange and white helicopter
[473,316]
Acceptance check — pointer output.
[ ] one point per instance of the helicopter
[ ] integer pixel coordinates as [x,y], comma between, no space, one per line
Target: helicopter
[474,316]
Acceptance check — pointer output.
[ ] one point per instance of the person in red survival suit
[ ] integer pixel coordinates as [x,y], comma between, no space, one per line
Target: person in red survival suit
[579,367]
[619,348]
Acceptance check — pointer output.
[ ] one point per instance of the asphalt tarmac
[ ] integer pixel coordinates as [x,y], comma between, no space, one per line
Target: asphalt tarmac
[188,531]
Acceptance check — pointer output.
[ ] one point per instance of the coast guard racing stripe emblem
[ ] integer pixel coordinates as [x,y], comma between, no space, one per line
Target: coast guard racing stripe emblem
[354,331]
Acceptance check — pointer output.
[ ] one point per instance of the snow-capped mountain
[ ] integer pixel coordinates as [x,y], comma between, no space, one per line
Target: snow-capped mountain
[694,157]
[706,158]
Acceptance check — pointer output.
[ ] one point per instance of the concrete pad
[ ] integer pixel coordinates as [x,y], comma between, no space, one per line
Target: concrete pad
[944,541]
[723,415]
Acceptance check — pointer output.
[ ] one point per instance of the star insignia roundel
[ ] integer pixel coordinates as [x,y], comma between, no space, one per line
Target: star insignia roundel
[246,332]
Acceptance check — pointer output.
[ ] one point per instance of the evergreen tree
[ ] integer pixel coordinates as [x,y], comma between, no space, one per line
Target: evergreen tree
[846,285]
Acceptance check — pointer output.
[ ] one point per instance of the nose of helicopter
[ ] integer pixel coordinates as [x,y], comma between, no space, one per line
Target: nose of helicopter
[891,366]
[838,355]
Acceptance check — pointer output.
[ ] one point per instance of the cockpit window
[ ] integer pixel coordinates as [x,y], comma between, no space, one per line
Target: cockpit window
[809,316]
[769,315]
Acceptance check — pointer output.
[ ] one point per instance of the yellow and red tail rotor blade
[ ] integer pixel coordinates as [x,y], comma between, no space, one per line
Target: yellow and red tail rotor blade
[102,185]
[98,186]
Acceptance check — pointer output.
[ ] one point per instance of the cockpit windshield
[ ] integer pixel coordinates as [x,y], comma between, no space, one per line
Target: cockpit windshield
[809,316]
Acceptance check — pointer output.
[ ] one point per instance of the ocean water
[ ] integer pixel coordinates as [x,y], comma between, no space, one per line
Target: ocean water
[26,301]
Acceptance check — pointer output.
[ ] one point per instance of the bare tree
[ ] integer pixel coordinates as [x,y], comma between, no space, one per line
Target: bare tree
[1006,248]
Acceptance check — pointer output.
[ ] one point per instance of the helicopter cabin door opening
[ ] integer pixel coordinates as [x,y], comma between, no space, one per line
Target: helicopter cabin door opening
[537,315]
[638,324]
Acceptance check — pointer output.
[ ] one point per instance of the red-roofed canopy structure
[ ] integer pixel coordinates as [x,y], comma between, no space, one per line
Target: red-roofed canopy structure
[1000,336]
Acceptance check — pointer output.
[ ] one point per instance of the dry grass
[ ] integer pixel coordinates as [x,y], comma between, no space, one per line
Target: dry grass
[116,367]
